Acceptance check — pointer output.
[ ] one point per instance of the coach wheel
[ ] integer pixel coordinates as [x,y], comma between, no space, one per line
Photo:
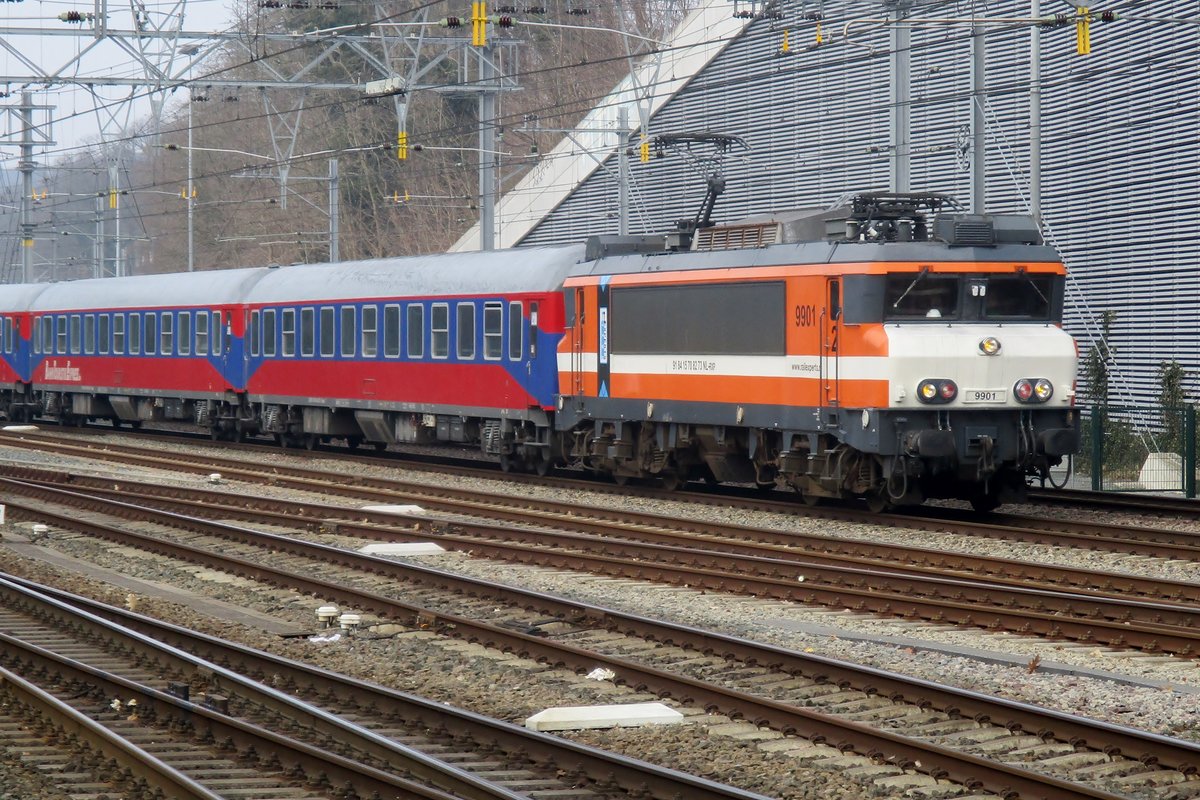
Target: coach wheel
[310,441]
[506,463]
[672,481]
[621,480]
[542,464]
[985,502]
[811,500]
[379,446]
[352,442]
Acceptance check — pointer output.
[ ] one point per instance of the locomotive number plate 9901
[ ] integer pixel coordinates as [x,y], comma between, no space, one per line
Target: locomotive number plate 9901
[983,395]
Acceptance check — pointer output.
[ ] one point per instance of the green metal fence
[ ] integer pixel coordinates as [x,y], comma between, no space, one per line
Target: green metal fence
[1137,449]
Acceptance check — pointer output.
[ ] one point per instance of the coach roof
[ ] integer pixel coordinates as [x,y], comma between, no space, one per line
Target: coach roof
[532,269]
[173,290]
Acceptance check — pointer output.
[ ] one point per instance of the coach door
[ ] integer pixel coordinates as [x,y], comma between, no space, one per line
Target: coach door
[831,329]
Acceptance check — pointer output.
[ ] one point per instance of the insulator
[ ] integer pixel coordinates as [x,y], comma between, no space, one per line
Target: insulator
[270,4]
[743,15]
[504,22]
[817,15]
[451,22]
[1108,16]
[535,10]
[506,9]
[72,16]
[579,12]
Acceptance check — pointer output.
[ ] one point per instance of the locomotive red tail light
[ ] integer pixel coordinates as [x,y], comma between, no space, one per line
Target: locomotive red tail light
[1033,390]
[937,390]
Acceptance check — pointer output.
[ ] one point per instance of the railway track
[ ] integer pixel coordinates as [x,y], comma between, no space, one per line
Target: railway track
[580,636]
[374,741]
[1140,540]
[1085,606]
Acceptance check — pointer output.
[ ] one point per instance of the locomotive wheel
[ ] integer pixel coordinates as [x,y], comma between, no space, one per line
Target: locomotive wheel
[877,502]
[542,465]
[671,481]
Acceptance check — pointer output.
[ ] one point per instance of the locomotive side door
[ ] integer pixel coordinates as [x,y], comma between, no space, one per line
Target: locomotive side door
[577,320]
[831,328]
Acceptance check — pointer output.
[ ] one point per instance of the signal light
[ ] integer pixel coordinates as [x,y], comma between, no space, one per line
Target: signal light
[1033,390]
[937,390]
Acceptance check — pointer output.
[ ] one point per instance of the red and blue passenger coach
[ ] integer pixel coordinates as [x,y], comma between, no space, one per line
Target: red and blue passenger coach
[452,347]
[138,348]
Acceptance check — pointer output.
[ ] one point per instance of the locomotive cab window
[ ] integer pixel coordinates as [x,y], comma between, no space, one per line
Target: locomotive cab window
[921,295]
[1020,296]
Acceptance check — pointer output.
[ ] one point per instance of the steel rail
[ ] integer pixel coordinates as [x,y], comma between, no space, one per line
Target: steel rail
[957,766]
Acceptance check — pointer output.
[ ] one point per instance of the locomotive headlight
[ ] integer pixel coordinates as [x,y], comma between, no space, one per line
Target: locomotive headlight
[937,390]
[1043,390]
[1023,390]
[989,346]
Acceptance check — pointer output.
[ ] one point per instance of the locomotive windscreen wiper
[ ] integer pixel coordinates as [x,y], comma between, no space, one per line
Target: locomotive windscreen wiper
[1024,274]
[911,286]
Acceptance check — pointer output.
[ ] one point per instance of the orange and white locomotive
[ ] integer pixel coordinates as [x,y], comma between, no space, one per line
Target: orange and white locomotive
[877,350]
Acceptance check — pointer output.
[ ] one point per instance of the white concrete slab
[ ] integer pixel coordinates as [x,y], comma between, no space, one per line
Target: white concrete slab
[1162,472]
[633,715]
[386,509]
[403,549]
[21,428]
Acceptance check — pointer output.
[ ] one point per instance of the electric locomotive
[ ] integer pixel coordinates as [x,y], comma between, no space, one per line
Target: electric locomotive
[883,349]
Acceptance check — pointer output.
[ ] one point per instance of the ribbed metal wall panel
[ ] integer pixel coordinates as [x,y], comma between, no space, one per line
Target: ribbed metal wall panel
[1120,150]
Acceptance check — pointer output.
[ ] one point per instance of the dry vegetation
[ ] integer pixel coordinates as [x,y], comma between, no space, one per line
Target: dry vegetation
[241,217]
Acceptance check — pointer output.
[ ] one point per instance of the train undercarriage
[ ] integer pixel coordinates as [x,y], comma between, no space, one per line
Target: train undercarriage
[986,470]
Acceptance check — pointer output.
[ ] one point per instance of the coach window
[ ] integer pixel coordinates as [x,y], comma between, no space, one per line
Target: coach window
[76,340]
[466,330]
[202,333]
[439,323]
[218,332]
[105,325]
[327,332]
[119,335]
[255,334]
[416,331]
[347,331]
[308,331]
[166,329]
[48,335]
[268,332]
[289,332]
[89,334]
[185,333]
[150,334]
[533,329]
[10,344]
[62,335]
[391,331]
[135,334]
[370,331]
[493,331]
[516,331]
